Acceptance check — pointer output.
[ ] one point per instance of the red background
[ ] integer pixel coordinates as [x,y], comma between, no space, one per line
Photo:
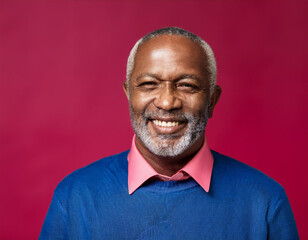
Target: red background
[62,105]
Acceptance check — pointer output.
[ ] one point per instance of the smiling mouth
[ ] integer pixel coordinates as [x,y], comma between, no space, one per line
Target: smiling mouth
[165,123]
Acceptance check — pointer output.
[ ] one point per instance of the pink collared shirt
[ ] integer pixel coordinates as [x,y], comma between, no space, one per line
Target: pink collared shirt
[199,168]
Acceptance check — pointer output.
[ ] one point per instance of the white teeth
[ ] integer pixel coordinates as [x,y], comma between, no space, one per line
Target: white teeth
[165,123]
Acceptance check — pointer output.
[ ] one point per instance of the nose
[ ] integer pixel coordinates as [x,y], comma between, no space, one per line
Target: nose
[166,98]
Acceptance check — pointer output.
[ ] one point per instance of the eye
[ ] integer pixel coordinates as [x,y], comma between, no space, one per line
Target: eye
[148,85]
[187,86]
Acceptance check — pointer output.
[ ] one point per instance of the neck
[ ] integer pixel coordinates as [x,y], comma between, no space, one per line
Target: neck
[169,165]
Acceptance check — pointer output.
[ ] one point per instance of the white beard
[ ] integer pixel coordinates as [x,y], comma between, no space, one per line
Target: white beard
[161,146]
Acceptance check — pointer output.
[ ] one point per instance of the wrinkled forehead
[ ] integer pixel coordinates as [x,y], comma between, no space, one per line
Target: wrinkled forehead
[171,52]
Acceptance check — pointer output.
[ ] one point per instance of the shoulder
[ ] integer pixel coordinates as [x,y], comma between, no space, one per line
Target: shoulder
[254,196]
[240,176]
[105,171]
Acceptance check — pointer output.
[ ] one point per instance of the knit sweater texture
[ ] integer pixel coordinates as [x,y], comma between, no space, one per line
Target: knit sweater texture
[243,203]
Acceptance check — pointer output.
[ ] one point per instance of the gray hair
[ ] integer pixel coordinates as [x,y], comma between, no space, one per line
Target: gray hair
[211,67]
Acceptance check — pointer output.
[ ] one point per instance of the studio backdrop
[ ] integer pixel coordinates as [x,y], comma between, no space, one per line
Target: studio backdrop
[62,65]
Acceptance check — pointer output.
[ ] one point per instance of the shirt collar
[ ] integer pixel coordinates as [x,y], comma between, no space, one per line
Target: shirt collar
[199,168]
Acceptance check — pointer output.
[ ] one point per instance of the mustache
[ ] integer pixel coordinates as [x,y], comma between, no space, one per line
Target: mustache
[161,113]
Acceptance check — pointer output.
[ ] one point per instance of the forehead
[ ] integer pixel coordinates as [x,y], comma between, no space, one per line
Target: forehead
[170,50]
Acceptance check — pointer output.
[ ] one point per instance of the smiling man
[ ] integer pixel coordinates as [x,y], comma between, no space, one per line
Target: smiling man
[169,185]
[170,99]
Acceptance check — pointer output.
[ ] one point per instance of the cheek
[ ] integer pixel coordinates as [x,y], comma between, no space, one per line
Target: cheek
[140,101]
[195,104]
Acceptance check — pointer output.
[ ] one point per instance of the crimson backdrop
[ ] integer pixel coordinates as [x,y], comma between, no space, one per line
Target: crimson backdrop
[62,106]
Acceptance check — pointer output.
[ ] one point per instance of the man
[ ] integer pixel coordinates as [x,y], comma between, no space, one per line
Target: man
[170,185]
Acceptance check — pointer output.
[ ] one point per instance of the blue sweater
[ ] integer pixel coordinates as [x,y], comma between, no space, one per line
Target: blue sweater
[243,203]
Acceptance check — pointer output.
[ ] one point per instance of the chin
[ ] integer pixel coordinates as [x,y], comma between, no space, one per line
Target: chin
[168,147]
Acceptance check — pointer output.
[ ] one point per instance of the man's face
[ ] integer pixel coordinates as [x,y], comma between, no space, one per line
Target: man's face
[168,95]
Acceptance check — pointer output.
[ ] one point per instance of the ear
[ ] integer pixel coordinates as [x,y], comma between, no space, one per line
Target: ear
[214,100]
[125,88]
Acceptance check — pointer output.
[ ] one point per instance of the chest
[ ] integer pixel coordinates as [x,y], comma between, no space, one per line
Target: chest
[184,215]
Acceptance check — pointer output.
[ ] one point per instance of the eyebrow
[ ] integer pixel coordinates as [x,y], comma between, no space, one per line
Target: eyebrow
[157,77]
[192,76]
[152,75]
